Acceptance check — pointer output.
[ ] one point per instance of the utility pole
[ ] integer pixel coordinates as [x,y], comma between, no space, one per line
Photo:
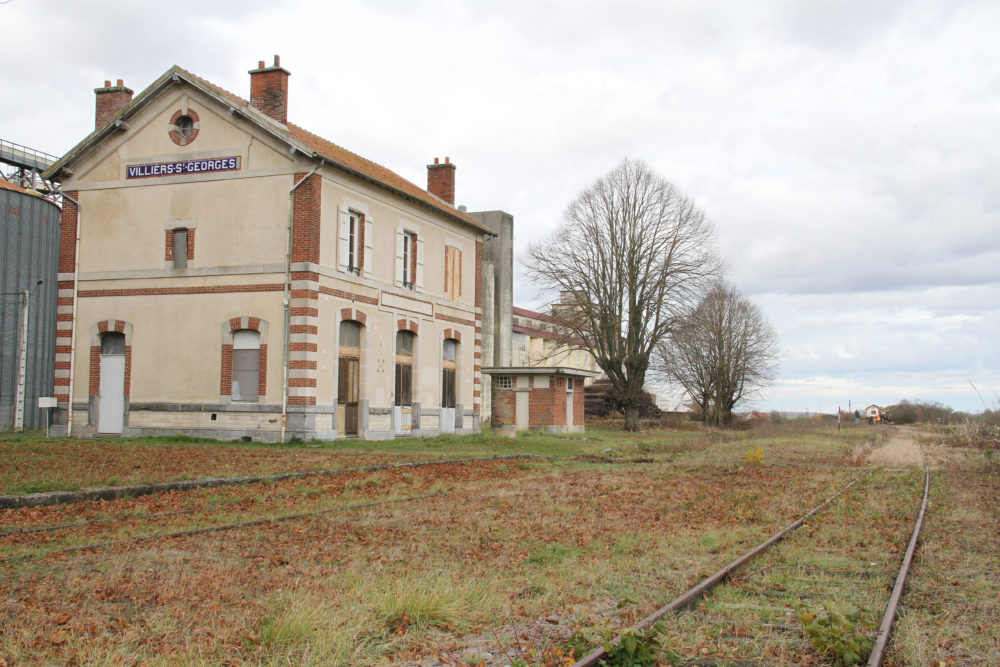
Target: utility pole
[22,366]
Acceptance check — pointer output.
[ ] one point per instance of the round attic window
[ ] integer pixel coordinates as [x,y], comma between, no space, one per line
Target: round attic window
[184,125]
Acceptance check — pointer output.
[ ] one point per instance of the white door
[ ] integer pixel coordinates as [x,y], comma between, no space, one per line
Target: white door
[521,411]
[111,398]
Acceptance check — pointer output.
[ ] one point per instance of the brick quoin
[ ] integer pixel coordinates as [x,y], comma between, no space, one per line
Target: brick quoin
[306,206]
[407,325]
[353,314]
[479,274]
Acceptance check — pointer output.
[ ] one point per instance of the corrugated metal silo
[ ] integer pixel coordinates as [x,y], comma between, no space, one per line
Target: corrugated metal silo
[29,252]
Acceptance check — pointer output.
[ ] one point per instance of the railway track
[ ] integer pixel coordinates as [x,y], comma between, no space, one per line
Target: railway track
[755,601]
[738,612]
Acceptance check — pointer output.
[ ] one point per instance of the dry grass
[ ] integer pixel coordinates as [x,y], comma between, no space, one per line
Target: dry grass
[951,614]
[508,558]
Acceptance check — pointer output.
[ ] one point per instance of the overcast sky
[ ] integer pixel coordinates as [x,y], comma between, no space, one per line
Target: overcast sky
[847,152]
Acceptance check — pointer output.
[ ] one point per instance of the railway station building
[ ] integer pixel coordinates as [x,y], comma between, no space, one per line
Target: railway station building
[226,273]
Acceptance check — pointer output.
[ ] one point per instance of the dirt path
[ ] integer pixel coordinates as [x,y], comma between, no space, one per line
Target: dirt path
[901,449]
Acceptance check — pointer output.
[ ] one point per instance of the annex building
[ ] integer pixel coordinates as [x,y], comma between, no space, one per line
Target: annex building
[226,273]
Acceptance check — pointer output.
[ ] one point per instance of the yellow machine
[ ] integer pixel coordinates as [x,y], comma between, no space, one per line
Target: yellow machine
[882,417]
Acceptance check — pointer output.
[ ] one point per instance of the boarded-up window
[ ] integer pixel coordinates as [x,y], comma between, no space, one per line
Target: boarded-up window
[404,368]
[452,273]
[448,371]
[349,376]
[348,379]
[246,365]
[180,239]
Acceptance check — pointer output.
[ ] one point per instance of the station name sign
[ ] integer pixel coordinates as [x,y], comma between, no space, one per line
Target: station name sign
[204,166]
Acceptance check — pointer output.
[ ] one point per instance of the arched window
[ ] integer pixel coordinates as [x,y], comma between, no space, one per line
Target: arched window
[404,368]
[246,365]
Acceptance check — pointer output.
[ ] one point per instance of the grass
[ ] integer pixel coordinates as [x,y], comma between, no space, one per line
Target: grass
[950,613]
[590,544]
[34,464]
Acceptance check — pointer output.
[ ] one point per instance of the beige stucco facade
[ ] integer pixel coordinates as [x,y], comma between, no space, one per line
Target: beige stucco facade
[281,213]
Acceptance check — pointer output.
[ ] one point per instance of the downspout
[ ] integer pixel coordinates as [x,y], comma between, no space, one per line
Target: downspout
[288,301]
[72,326]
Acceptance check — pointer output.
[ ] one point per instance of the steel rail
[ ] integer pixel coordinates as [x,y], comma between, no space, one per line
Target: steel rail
[885,630]
[79,524]
[711,582]
[220,527]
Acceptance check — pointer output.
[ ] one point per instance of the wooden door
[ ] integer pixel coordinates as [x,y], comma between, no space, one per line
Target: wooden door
[348,393]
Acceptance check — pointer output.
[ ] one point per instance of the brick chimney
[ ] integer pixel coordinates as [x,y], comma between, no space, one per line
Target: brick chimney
[441,180]
[269,89]
[110,100]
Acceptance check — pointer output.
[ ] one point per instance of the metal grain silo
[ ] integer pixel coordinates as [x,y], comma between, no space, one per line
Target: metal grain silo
[29,253]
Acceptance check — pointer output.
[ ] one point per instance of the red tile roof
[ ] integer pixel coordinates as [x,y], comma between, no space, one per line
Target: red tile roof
[352,161]
[4,185]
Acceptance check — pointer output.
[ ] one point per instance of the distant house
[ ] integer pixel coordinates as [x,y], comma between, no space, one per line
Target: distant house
[541,340]
[872,411]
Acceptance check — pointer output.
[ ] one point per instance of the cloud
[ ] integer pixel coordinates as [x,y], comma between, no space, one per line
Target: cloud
[845,151]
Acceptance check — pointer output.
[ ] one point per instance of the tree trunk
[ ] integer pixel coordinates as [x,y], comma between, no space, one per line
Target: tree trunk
[632,416]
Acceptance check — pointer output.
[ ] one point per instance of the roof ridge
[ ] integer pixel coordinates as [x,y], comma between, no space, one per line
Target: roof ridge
[334,153]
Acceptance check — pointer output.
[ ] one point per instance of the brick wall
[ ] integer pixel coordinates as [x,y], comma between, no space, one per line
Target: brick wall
[548,406]
[504,406]
[306,209]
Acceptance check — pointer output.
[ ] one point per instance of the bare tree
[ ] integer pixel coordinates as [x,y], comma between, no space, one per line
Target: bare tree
[631,254]
[724,351]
